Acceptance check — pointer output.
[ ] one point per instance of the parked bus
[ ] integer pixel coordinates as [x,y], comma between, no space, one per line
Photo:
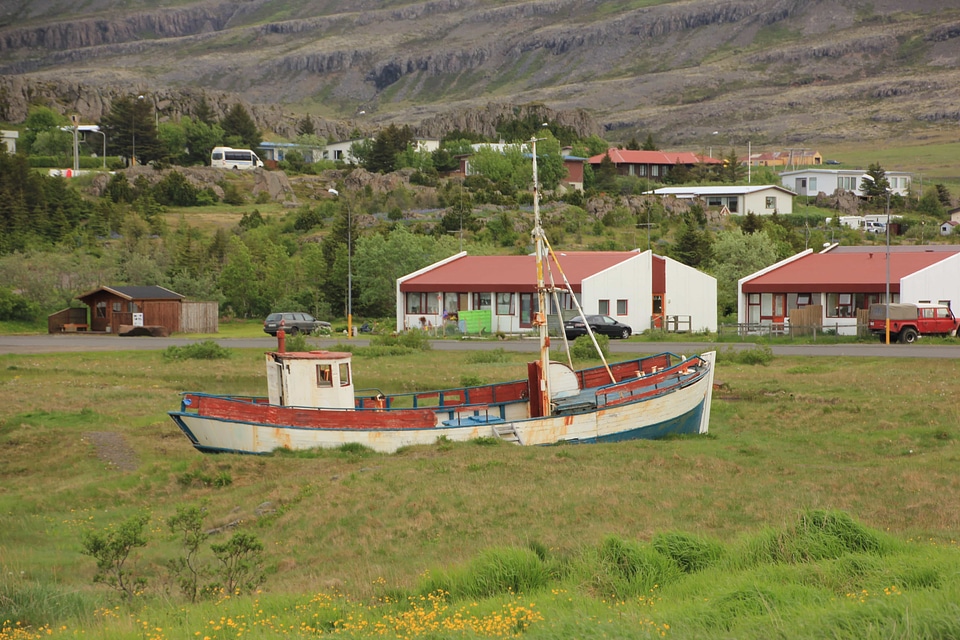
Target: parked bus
[227,158]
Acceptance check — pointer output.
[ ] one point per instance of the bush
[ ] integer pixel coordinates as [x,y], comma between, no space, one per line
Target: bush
[487,357]
[412,339]
[689,552]
[583,349]
[495,572]
[14,306]
[206,350]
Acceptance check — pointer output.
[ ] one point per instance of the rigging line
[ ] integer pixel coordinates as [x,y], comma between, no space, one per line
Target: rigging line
[576,302]
[556,302]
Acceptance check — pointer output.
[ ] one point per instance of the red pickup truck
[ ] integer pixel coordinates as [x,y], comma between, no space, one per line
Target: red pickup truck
[910,321]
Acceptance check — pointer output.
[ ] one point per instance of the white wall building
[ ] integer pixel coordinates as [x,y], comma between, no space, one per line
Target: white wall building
[640,289]
[810,182]
[739,200]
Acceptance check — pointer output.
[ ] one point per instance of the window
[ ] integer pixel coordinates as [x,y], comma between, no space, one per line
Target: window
[621,307]
[603,307]
[753,308]
[803,299]
[324,375]
[117,306]
[481,301]
[847,183]
[813,184]
[101,310]
[433,302]
[505,304]
[771,202]
[654,170]
[451,302]
[344,374]
[642,170]
[714,201]
[845,305]
[414,303]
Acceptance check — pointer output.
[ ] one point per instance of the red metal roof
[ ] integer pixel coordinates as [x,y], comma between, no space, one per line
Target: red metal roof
[628,156]
[503,274]
[861,272]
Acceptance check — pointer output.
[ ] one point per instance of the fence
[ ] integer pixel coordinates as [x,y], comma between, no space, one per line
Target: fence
[199,317]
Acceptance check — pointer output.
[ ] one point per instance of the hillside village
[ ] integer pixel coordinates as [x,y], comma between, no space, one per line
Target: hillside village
[464,198]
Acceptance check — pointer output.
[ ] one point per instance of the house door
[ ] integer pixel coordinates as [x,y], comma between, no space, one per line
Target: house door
[528,306]
[778,309]
[656,320]
[801,186]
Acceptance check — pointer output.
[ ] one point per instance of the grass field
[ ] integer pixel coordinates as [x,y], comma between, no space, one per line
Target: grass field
[824,503]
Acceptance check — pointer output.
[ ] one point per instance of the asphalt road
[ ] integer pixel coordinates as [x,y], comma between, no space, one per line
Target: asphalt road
[59,343]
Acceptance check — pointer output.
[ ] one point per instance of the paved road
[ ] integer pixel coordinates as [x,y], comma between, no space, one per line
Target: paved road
[58,343]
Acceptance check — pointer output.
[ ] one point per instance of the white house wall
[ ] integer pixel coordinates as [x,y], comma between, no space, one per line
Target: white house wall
[940,281]
[690,293]
[629,280]
[757,202]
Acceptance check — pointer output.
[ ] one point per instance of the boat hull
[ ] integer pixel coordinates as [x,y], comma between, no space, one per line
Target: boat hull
[683,409]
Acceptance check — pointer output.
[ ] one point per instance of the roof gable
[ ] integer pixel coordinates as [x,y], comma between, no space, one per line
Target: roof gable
[631,156]
[149,292]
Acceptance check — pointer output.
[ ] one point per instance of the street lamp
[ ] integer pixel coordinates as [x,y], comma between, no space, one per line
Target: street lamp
[886,299]
[133,129]
[336,194]
[104,134]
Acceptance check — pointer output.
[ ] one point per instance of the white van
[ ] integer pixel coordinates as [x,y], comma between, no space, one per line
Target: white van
[872,226]
[229,158]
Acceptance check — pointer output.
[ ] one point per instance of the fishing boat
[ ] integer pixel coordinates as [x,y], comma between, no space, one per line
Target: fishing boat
[311,400]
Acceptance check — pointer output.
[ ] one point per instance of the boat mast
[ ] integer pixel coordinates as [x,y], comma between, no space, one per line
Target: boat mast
[540,318]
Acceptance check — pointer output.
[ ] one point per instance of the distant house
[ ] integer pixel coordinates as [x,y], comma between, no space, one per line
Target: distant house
[654,165]
[759,199]
[787,158]
[948,227]
[277,151]
[148,306]
[810,182]
[638,288]
[341,151]
[9,139]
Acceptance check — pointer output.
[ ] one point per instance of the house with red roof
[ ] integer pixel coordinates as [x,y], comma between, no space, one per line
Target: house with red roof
[638,288]
[843,281]
[654,165]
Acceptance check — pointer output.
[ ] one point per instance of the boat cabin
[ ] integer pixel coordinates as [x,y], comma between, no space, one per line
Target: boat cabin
[310,379]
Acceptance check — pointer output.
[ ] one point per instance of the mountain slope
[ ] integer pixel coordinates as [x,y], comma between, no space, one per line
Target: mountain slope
[768,70]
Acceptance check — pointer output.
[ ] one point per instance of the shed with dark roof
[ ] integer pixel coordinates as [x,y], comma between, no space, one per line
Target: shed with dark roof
[111,307]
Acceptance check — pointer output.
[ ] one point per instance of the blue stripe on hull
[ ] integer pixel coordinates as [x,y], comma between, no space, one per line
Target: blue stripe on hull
[686,424]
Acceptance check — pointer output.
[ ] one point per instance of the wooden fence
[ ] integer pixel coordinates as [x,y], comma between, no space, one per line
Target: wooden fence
[199,317]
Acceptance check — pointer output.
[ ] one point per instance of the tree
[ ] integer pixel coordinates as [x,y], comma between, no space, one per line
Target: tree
[649,144]
[188,525]
[201,138]
[203,113]
[40,120]
[239,129]
[130,129]
[930,205]
[878,184]
[943,195]
[731,171]
[606,174]
[305,126]
[736,254]
[239,281]
[633,144]
[388,143]
[693,245]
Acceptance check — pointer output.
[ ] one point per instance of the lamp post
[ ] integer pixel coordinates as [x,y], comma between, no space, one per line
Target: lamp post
[133,130]
[104,134]
[886,299]
[336,194]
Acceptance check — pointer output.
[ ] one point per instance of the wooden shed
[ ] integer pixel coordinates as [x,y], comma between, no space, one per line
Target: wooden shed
[111,307]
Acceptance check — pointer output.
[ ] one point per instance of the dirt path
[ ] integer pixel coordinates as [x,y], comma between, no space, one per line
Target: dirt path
[112,448]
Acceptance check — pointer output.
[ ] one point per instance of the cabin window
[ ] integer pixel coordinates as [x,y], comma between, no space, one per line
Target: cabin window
[771,202]
[844,305]
[621,307]
[654,170]
[753,308]
[344,374]
[505,304]
[813,184]
[413,303]
[714,201]
[481,301]
[642,170]
[117,306]
[324,375]
[101,309]
[803,299]
[603,307]
[451,302]
[433,303]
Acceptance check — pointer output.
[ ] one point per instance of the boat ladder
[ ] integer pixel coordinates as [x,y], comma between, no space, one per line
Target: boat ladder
[506,432]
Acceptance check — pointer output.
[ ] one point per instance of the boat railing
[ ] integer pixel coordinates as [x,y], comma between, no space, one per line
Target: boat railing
[491,394]
[650,384]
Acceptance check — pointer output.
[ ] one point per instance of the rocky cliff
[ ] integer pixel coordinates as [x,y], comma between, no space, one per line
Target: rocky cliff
[777,70]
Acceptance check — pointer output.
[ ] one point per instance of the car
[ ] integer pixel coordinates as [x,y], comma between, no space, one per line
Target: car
[605,325]
[294,323]
[832,162]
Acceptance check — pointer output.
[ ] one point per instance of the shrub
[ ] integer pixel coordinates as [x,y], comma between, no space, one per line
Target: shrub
[689,552]
[14,306]
[630,569]
[111,549]
[206,350]
[175,190]
[583,349]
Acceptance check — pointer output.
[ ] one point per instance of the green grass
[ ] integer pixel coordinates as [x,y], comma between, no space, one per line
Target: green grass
[823,503]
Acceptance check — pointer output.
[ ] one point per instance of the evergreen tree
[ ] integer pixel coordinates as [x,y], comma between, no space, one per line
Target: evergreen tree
[388,143]
[649,144]
[693,246]
[239,129]
[878,184]
[633,144]
[203,113]
[305,127]
[130,128]
[943,195]
[606,174]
